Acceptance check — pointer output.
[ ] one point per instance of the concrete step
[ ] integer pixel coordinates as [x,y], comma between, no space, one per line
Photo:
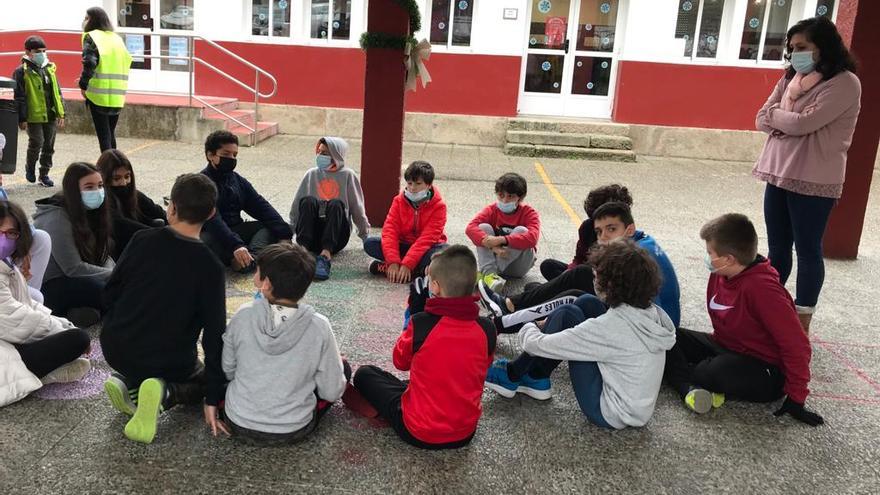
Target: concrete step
[246,117]
[225,104]
[574,152]
[265,130]
[569,126]
[569,139]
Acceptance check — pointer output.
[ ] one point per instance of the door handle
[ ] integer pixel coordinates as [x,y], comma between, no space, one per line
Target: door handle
[566,45]
[152,24]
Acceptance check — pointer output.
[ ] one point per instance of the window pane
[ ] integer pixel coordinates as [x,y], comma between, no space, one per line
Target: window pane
[260,17]
[597,23]
[176,14]
[591,76]
[825,8]
[687,24]
[710,28]
[341,19]
[320,17]
[138,45]
[774,41]
[281,18]
[544,73]
[462,18]
[549,24]
[134,14]
[751,39]
[440,22]
[176,46]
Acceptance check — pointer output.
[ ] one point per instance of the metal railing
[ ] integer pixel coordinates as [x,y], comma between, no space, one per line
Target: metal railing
[192,60]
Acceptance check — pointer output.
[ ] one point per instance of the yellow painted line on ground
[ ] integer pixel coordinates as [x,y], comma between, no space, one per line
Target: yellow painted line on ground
[141,147]
[575,219]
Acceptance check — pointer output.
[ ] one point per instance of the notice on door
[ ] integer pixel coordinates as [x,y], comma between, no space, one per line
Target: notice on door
[134,43]
[554,30]
[177,47]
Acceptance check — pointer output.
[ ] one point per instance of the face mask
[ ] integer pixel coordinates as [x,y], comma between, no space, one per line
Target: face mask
[707,259]
[226,164]
[3,196]
[7,247]
[803,62]
[323,162]
[93,199]
[41,59]
[416,197]
[122,191]
[506,207]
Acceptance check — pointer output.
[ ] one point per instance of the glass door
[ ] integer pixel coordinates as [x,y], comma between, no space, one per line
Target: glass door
[569,65]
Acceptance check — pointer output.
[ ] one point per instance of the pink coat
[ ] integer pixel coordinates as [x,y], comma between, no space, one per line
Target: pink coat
[806,150]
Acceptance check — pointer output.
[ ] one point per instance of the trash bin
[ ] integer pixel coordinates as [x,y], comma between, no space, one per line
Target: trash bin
[8,125]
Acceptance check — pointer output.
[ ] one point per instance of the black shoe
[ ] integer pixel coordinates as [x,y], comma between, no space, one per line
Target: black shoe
[378,267]
[30,174]
[491,300]
[45,181]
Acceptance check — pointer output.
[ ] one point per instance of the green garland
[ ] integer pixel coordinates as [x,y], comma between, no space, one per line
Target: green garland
[384,40]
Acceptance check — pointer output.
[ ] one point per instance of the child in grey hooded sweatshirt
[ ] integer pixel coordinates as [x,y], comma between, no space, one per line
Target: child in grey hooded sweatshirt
[615,355]
[280,356]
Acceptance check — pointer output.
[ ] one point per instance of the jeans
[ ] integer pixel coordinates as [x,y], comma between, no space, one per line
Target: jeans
[373,247]
[793,218]
[252,233]
[105,125]
[41,145]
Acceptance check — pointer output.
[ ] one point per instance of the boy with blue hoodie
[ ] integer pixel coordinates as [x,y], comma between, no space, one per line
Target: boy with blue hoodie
[615,344]
[328,201]
[280,356]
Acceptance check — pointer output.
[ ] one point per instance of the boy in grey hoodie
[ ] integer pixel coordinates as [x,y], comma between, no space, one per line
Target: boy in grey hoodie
[280,356]
[328,201]
[616,355]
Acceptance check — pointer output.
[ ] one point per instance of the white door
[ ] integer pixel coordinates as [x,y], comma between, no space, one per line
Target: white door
[154,27]
[570,65]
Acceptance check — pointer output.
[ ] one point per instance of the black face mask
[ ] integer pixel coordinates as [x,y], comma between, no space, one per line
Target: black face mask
[226,164]
[122,191]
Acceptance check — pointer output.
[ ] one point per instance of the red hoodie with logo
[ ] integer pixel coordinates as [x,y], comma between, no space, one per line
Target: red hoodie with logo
[753,314]
[421,226]
[447,350]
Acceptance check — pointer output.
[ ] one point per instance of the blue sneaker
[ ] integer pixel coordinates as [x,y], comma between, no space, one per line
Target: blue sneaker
[322,268]
[536,388]
[498,380]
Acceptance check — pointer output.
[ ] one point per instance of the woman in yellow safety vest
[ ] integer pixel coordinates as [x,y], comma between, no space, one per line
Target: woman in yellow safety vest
[104,80]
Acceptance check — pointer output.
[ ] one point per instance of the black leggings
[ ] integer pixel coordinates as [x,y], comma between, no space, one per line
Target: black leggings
[105,126]
[43,356]
[696,360]
[65,293]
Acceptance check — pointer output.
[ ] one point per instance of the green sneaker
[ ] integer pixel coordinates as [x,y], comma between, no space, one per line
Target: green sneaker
[121,397]
[494,281]
[717,400]
[142,426]
[699,400]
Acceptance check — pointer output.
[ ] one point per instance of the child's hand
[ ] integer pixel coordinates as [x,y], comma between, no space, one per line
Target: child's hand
[500,252]
[391,272]
[404,274]
[61,123]
[242,258]
[214,422]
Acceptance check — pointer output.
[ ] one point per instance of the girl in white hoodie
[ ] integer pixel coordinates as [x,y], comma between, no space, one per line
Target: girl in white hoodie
[36,348]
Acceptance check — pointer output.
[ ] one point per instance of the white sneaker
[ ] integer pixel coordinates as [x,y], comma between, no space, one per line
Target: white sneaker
[70,372]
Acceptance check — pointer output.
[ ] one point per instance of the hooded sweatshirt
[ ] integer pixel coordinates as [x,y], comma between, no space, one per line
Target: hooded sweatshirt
[342,184]
[421,226]
[669,297]
[628,344]
[65,260]
[277,359]
[753,314]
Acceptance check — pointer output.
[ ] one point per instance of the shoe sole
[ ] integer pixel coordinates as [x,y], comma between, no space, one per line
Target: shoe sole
[142,426]
[498,285]
[504,392]
[117,392]
[702,401]
[535,393]
[487,302]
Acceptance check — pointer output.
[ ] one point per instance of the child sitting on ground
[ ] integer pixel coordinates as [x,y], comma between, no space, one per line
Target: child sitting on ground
[328,201]
[166,290]
[758,351]
[506,233]
[413,230]
[615,354]
[280,356]
[447,350]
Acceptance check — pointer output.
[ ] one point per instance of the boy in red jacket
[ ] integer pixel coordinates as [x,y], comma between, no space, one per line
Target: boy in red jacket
[505,233]
[758,351]
[414,228]
[447,349]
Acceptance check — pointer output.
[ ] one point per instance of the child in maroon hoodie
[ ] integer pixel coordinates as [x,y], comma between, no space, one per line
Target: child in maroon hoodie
[506,233]
[758,351]
[414,228]
[447,350]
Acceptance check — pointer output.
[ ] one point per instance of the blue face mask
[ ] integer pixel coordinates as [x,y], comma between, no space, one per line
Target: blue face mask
[707,259]
[93,199]
[40,58]
[507,208]
[323,162]
[803,62]
[416,197]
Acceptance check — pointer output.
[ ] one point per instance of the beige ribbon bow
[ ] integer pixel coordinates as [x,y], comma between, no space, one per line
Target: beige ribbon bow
[415,55]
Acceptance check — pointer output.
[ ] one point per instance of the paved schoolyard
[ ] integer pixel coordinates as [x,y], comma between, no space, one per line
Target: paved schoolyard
[67,439]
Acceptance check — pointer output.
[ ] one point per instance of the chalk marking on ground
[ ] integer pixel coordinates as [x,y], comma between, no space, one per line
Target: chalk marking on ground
[142,147]
[575,219]
[852,367]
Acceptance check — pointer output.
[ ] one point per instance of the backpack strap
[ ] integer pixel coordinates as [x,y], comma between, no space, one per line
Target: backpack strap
[422,324]
[490,331]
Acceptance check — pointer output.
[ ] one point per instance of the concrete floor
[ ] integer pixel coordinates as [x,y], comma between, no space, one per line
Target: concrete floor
[67,439]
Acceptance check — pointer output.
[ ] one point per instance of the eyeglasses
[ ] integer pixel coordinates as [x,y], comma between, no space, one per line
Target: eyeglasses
[12,235]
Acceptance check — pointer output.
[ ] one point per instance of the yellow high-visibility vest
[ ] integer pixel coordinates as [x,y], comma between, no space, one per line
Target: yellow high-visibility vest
[108,86]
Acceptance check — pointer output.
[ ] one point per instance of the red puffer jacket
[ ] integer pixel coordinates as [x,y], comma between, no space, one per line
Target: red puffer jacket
[421,227]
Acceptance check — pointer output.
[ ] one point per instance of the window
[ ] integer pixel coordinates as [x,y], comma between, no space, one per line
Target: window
[275,13]
[451,22]
[825,8]
[705,14]
[764,30]
[177,14]
[323,11]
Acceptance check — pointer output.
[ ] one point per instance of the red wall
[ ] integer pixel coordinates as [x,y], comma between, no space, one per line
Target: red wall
[691,95]
[69,66]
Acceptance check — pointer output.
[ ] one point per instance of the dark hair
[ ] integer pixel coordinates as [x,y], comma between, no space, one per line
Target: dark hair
[289,267]
[194,197]
[455,269]
[218,139]
[107,163]
[614,209]
[511,183]
[34,43]
[419,170]
[25,236]
[92,229]
[625,274]
[98,19]
[606,194]
[732,234]
[834,57]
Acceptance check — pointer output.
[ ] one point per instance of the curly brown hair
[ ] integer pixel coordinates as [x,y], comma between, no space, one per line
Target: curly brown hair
[625,274]
[606,194]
